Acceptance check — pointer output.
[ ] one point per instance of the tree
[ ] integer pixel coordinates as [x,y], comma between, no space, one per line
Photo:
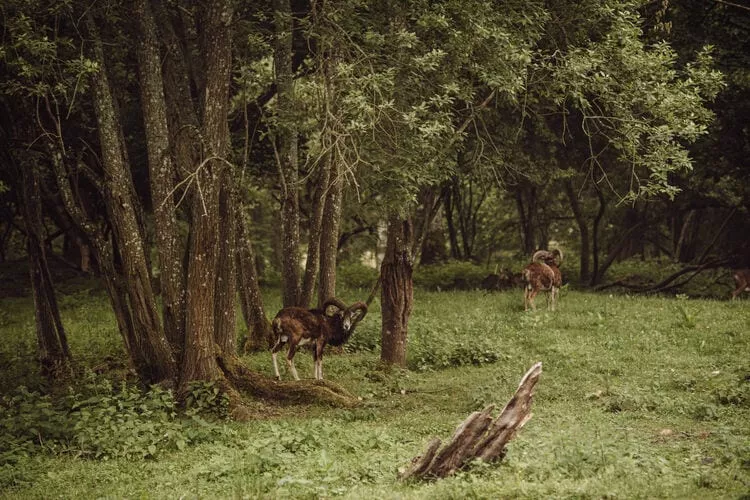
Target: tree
[286,151]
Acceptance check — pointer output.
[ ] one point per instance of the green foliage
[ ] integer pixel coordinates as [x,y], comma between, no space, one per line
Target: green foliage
[443,350]
[637,100]
[356,275]
[461,275]
[206,398]
[99,420]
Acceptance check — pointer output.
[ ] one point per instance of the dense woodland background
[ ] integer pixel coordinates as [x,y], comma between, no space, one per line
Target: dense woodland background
[190,153]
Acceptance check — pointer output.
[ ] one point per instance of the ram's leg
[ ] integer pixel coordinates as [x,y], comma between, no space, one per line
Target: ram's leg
[290,361]
[274,350]
[318,355]
[553,293]
[532,294]
[526,292]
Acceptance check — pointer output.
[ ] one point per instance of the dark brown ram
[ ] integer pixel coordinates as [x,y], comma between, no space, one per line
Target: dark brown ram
[332,324]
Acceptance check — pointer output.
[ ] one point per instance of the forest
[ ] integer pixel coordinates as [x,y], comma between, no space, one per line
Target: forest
[476,186]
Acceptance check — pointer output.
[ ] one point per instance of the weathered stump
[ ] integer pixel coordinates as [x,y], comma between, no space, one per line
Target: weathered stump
[477,437]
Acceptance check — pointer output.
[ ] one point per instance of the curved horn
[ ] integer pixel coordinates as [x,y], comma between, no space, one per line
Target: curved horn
[358,306]
[557,252]
[540,255]
[333,301]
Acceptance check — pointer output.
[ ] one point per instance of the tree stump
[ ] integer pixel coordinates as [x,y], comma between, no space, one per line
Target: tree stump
[477,437]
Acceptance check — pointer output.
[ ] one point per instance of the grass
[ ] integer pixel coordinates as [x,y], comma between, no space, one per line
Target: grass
[641,397]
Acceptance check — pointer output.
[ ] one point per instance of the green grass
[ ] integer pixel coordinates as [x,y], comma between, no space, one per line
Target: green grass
[641,397]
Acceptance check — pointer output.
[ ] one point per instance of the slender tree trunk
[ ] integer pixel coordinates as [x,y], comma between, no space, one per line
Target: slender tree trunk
[316,225]
[429,204]
[583,230]
[617,250]
[526,215]
[162,175]
[596,273]
[397,296]
[253,310]
[682,241]
[52,344]
[461,204]
[104,256]
[181,110]
[448,208]
[200,356]
[121,207]
[329,239]
[286,145]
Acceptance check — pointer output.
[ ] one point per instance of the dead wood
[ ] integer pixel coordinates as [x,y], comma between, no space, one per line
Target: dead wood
[667,283]
[477,437]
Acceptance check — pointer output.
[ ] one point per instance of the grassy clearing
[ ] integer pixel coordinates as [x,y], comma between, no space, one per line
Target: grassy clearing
[640,397]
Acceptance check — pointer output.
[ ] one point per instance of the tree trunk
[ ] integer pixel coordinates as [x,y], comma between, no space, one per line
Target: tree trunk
[683,241]
[122,210]
[286,145]
[397,294]
[329,239]
[52,344]
[253,310]
[162,176]
[596,273]
[526,215]
[226,276]
[181,110]
[200,356]
[448,208]
[316,224]
[429,200]
[583,230]
[104,256]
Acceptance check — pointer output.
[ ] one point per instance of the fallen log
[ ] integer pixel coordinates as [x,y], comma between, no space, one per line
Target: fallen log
[477,437]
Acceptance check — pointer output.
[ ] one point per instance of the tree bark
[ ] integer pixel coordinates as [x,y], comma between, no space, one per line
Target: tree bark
[253,310]
[286,145]
[596,272]
[397,293]
[122,210]
[448,209]
[429,200]
[583,230]
[329,238]
[52,344]
[526,215]
[200,359]
[226,276]
[316,225]
[181,109]
[162,176]
[104,255]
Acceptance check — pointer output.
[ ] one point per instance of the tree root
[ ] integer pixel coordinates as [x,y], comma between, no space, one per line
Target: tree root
[477,437]
[242,380]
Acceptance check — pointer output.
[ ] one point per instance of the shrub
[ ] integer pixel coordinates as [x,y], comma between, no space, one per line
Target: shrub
[99,420]
[357,275]
[433,349]
[452,275]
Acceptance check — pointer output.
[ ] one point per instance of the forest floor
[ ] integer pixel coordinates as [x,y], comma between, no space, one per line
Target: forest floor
[640,397]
